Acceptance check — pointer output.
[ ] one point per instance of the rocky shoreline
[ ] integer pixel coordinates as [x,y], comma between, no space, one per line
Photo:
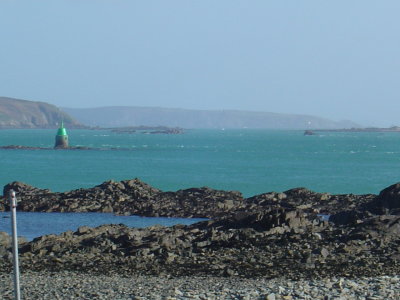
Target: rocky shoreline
[134,197]
[272,235]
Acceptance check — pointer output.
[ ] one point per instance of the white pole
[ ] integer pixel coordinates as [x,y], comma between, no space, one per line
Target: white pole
[13,208]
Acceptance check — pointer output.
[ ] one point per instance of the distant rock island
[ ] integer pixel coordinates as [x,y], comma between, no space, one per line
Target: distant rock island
[367,129]
[146,130]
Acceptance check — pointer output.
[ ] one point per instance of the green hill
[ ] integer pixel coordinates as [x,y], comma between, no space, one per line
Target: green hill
[16,113]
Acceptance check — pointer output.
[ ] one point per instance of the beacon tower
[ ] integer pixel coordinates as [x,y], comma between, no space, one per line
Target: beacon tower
[61,138]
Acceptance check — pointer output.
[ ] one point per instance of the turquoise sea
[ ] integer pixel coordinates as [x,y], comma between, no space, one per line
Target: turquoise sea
[250,161]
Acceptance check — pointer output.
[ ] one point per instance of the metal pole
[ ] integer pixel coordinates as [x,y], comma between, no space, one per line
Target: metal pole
[13,209]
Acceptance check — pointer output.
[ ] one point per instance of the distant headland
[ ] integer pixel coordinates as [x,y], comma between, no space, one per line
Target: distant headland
[23,114]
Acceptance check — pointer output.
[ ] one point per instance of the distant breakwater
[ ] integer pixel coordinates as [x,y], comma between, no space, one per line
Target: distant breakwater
[269,235]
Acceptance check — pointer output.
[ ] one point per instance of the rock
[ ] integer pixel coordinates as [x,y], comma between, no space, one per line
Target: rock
[5,240]
[271,296]
[309,132]
[387,202]
[324,252]
[269,235]
[349,217]
[20,188]
[245,245]
[134,197]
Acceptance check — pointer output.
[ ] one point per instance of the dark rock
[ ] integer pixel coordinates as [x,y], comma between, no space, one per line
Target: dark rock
[349,217]
[387,202]
[20,188]
[309,132]
[223,248]
[269,235]
[148,130]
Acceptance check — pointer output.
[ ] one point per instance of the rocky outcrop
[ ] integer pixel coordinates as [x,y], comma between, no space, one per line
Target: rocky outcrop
[134,197]
[128,197]
[269,235]
[388,201]
[147,130]
[307,200]
[269,243]
[309,132]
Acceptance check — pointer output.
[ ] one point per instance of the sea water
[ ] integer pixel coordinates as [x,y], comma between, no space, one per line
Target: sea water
[33,224]
[246,160]
[250,161]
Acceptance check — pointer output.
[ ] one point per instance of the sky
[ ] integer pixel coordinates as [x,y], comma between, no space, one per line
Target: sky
[334,59]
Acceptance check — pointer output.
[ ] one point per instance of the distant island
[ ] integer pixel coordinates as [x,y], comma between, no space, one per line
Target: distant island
[367,129]
[146,130]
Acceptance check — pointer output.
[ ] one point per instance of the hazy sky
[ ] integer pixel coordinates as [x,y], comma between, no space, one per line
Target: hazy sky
[335,59]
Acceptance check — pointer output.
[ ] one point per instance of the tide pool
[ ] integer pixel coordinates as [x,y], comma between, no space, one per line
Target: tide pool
[33,224]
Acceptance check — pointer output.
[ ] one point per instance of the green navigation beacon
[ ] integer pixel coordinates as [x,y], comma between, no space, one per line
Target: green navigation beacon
[61,137]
